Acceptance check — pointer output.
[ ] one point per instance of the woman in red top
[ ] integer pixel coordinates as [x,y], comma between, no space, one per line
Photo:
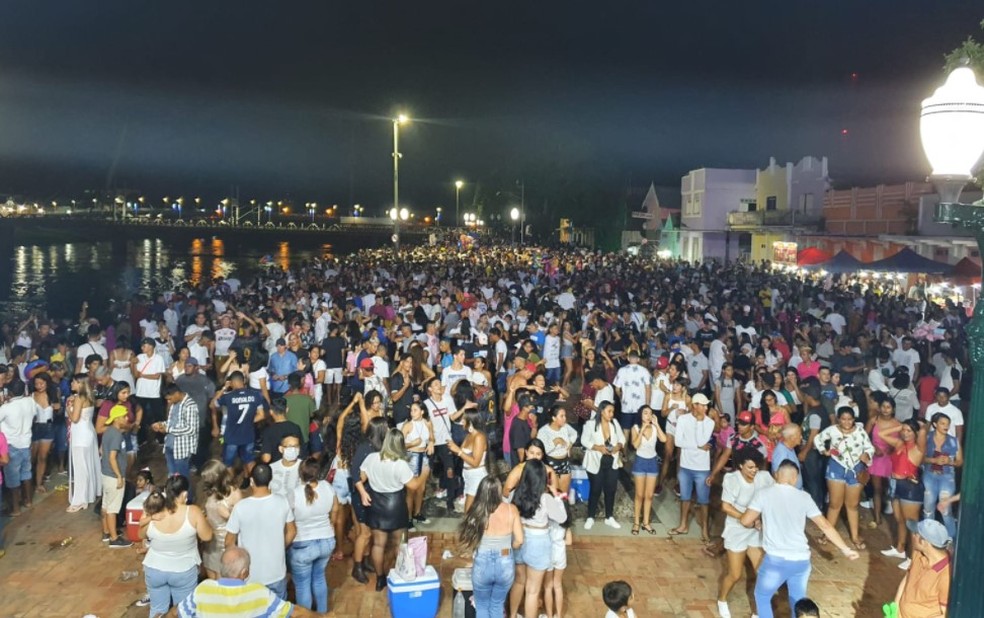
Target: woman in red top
[908,488]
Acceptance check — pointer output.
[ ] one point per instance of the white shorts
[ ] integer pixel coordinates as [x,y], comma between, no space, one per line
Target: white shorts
[558,548]
[333,376]
[740,538]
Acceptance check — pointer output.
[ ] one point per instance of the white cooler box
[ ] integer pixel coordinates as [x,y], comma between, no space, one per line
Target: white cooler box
[417,599]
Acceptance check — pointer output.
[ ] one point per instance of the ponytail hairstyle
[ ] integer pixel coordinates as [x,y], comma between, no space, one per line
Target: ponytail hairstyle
[174,487]
[309,472]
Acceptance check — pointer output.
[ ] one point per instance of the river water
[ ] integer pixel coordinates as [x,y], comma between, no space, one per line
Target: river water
[54,278]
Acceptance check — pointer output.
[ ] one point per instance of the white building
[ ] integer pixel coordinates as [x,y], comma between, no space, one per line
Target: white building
[707,196]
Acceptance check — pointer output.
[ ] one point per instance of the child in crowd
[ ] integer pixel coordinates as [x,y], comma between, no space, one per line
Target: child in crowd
[806,608]
[113,466]
[724,431]
[618,598]
[560,539]
[144,483]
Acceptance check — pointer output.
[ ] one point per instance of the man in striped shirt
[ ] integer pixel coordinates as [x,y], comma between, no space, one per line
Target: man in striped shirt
[232,595]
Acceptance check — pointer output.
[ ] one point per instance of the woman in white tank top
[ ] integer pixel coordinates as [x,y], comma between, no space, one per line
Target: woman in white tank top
[171,563]
[418,433]
[645,468]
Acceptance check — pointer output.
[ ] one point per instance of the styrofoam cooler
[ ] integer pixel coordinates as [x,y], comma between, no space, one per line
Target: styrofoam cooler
[417,599]
[580,485]
[461,582]
[134,511]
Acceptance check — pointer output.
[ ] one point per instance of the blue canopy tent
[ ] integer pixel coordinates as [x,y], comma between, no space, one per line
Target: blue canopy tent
[908,261]
[843,262]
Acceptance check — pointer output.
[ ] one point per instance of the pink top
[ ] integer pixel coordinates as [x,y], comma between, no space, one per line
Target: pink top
[507,424]
[808,369]
[4,451]
[881,465]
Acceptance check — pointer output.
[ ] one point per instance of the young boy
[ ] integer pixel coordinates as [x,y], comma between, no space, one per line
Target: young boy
[806,608]
[618,597]
[113,475]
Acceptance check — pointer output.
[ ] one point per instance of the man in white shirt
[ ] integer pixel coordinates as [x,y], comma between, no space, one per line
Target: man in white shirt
[456,371]
[698,369]
[194,331]
[694,434]
[148,369]
[633,385]
[90,347]
[263,525]
[944,406]
[836,321]
[908,357]
[718,355]
[551,355]
[16,421]
[783,511]
[225,335]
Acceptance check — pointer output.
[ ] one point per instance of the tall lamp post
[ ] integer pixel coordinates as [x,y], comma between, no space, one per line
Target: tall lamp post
[457,201]
[514,215]
[952,131]
[401,119]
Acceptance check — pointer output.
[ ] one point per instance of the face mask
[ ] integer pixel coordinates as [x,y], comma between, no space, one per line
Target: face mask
[291,453]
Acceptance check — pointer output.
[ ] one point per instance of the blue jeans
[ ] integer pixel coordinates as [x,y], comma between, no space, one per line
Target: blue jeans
[18,469]
[553,376]
[166,588]
[279,588]
[773,573]
[244,451]
[308,561]
[180,467]
[492,577]
[689,479]
[939,486]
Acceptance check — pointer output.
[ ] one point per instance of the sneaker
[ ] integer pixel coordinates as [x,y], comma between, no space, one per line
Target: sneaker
[121,541]
[888,510]
[676,491]
[723,610]
[865,504]
[105,538]
[422,519]
[412,527]
[144,601]
[891,552]
[905,564]
[659,490]
[441,494]
[588,523]
[611,523]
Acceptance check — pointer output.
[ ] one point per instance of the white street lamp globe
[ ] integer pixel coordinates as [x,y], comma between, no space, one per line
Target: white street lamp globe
[393,214]
[404,214]
[514,214]
[952,125]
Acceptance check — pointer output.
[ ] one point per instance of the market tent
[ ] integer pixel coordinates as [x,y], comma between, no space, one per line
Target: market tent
[843,262]
[908,261]
[966,270]
[811,255]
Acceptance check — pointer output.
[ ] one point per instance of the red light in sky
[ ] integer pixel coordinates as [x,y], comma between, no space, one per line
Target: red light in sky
[843,131]
[854,76]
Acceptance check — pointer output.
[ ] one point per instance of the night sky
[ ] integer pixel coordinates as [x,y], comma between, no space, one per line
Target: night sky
[199,97]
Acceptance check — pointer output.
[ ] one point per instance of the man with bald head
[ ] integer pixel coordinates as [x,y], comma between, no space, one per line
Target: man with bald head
[791,439]
[782,511]
[232,595]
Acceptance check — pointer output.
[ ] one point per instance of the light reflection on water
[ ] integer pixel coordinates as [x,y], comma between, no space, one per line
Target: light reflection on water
[55,278]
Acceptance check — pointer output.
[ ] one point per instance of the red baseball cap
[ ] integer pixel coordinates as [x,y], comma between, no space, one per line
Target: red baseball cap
[367,364]
[531,367]
[745,417]
[662,362]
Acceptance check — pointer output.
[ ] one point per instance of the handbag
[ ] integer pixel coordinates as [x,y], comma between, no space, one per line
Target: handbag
[405,567]
[418,547]
[863,476]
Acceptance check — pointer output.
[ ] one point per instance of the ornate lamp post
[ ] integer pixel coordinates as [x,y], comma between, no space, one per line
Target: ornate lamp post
[952,129]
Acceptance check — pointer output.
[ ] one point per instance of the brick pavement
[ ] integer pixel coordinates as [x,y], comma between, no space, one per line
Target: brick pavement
[672,578]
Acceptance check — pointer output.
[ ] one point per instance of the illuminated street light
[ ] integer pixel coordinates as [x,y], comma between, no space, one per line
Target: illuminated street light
[399,120]
[404,214]
[457,200]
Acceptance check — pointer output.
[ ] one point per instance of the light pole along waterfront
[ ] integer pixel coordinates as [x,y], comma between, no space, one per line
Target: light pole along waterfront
[400,119]
[952,131]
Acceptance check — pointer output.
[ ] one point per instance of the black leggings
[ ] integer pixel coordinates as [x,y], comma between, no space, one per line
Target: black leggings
[605,480]
[447,461]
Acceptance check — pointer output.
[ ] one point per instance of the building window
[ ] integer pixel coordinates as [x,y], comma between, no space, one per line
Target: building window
[770,202]
[696,205]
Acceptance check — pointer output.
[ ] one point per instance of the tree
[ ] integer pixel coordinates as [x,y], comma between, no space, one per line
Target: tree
[971,53]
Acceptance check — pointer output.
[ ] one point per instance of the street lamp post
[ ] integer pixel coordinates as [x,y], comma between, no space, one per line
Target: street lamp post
[401,119]
[457,201]
[952,131]
[514,215]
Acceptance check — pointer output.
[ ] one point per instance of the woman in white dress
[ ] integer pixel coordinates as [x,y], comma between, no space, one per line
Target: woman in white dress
[84,477]
[120,357]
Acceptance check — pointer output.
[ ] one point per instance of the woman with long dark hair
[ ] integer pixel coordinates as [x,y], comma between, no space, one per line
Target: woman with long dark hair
[474,454]
[538,503]
[492,530]
[604,443]
[48,400]
[908,490]
[364,444]
[388,476]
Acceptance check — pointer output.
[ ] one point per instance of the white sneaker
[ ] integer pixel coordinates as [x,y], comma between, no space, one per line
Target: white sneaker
[723,609]
[588,523]
[441,494]
[891,552]
[611,523]
[888,510]
[865,504]
[905,564]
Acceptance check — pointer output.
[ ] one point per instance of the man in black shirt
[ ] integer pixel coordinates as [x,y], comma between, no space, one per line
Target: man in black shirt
[281,428]
[520,432]
[333,352]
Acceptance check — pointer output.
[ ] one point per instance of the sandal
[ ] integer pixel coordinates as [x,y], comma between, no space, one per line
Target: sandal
[635,530]
[649,529]
[676,532]
[822,540]
[859,545]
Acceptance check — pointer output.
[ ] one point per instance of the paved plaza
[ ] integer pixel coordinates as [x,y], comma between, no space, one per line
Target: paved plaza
[44,575]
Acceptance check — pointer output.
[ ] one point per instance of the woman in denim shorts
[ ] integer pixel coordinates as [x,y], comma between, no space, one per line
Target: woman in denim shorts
[906,485]
[645,468]
[850,451]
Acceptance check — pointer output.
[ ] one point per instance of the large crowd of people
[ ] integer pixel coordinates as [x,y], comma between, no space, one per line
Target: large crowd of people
[360,396]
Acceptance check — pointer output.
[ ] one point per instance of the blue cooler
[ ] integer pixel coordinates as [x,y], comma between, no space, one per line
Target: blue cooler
[417,599]
[580,485]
